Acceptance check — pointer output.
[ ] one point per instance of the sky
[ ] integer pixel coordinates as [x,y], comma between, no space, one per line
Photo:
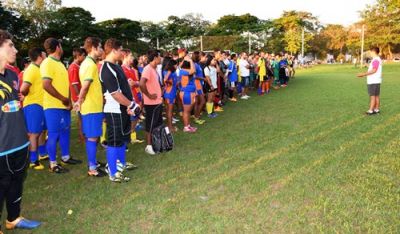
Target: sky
[343,12]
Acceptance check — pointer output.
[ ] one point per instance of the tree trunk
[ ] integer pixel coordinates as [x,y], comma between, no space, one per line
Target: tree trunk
[390,52]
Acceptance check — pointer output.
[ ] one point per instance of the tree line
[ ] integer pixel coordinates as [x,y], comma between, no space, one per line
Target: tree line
[32,21]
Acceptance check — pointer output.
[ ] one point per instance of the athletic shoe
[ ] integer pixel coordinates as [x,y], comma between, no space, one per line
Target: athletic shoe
[43,157]
[212,115]
[377,111]
[199,121]
[119,177]
[175,120]
[244,97]
[58,169]
[149,150]
[36,165]
[130,166]
[96,173]
[22,223]
[126,148]
[100,164]
[194,128]
[218,109]
[233,99]
[247,96]
[139,127]
[142,117]
[164,118]
[189,129]
[136,141]
[370,112]
[71,161]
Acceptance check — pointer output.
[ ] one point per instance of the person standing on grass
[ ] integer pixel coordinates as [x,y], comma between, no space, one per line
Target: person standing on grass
[187,91]
[57,105]
[90,103]
[32,89]
[170,89]
[79,55]
[118,108]
[14,142]
[199,81]
[244,67]
[374,80]
[152,96]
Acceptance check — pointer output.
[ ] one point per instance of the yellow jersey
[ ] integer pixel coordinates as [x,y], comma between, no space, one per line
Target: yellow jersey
[33,77]
[262,69]
[53,69]
[93,102]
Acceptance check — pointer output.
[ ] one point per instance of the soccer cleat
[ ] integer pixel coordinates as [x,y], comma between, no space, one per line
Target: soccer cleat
[96,173]
[100,164]
[22,223]
[43,157]
[149,150]
[212,115]
[130,166]
[71,161]
[199,121]
[175,119]
[244,97]
[119,177]
[58,169]
[233,99]
[189,129]
[218,109]
[136,141]
[36,165]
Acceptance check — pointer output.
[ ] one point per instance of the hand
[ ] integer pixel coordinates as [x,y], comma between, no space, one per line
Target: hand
[77,106]
[153,96]
[131,82]
[66,102]
[21,97]
[187,58]
[134,109]
[360,75]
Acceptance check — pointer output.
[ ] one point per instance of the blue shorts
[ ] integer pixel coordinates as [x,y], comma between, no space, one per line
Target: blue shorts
[134,118]
[57,120]
[34,118]
[92,125]
[188,98]
[199,91]
[170,97]
[246,81]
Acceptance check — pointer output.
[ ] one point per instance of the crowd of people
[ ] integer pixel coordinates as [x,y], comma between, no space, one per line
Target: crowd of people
[113,93]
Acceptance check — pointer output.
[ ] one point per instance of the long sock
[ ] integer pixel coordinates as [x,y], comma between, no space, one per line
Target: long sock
[122,154]
[42,150]
[65,143]
[133,135]
[112,153]
[52,146]
[103,136]
[230,93]
[91,150]
[34,156]
[259,91]
[209,107]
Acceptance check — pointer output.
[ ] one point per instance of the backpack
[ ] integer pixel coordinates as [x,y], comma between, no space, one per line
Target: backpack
[161,137]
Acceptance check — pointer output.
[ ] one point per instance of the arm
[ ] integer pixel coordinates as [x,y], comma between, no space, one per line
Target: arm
[82,94]
[143,88]
[53,92]
[373,71]
[166,78]
[25,88]
[75,88]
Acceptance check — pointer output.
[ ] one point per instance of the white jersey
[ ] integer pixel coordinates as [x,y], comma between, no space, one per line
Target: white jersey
[375,78]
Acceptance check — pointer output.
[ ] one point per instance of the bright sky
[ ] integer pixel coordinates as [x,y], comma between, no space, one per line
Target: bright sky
[343,12]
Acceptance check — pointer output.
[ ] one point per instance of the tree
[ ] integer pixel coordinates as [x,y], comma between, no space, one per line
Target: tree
[336,36]
[126,30]
[234,25]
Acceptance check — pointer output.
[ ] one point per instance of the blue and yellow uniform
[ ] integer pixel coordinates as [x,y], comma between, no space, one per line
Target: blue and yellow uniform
[198,82]
[187,87]
[170,86]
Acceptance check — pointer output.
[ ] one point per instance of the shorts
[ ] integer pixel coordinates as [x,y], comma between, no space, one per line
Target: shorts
[92,125]
[199,91]
[34,118]
[246,81]
[153,116]
[199,87]
[118,129]
[374,89]
[188,98]
[57,120]
[170,97]
[232,84]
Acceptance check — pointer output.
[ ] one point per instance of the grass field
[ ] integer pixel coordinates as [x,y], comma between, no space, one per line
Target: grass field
[304,159]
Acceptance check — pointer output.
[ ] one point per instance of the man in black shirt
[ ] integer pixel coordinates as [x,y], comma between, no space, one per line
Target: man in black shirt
[118,107]
[14,140]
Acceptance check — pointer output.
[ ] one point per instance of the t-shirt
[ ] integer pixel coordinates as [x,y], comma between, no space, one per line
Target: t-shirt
[233,74]
[262,68]
[211,72]
[33,77]
[170,83]
[244,71]
[54,70]
[73,74]
[113,80]
[187,81]
[153,85]
[131,75]
[93,102]
[13,134]
[375,78]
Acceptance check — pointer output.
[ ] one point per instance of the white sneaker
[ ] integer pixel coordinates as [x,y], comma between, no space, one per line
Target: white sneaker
[247,96]
[244,98]
[149,150]
[175,120]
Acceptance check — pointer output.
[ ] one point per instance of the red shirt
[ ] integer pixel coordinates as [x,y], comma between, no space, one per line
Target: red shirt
[73,74]
[131,75]
[14,69]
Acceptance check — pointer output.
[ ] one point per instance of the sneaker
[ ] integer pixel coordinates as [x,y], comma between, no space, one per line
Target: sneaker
[71,161]
[370,112]
[126,148]
[100,165]
[377,111]
[22,223]
[96,173]
[244,97]
[137,141]
[193,128]
[58,169]
[142,117]
[119,177]
[247,96]
[149,150]
[175,120]
[189,129]
[43,157]
[199,121]
[130,166]
[212,115]
[218,109]
[139,127]
[36,165]
[233,99]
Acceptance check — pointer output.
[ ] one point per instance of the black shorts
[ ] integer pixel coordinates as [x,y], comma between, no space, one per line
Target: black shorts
[153,116]
[118,129]
[374,89]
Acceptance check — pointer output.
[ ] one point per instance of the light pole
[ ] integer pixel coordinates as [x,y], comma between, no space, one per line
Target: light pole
[302,43]
[362,45]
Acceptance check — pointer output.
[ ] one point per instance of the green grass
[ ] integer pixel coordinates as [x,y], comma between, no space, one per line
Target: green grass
[301,160]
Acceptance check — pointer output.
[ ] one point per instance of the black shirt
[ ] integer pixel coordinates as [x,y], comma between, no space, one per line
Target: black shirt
[13,134]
